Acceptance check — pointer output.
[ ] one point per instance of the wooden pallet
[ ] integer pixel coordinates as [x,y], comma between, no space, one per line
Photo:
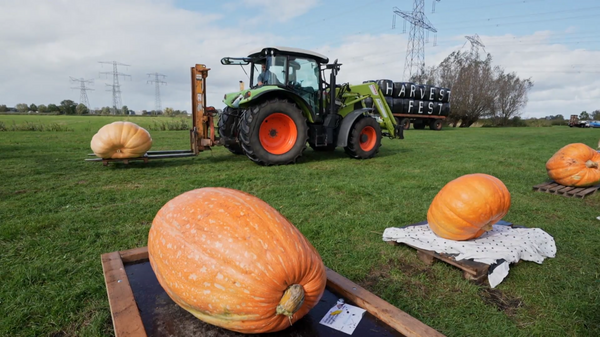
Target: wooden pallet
[140,307]
[472,270]
[567,191]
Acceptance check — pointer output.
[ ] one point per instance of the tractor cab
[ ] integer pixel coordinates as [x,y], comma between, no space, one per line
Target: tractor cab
[296,70]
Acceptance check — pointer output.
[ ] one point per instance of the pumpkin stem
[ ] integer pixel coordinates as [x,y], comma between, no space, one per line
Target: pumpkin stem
[291,301]
[487,227]
[591,164]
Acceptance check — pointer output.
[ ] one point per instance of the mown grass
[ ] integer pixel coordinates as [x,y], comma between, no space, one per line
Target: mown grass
[60,213]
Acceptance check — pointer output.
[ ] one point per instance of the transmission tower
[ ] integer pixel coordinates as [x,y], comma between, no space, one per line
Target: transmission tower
[475,43]
[83,98]
[157,80]
[415,50]
[115,87]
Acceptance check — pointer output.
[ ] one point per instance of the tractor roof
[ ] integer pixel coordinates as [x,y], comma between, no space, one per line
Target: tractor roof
[290,51]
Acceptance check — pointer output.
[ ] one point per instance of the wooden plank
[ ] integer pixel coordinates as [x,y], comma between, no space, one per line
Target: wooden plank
[123,308]
[468,266]
[127,320]
[394,317]
[567,191]
[555,188]
[134,255]
[587,192]
[572,192]
[536,187]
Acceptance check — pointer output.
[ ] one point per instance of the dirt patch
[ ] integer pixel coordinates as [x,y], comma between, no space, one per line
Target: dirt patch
[501,301]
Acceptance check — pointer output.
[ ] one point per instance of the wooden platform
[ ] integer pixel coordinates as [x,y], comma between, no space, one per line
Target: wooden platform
[472,270]
[140,307]
[571,192]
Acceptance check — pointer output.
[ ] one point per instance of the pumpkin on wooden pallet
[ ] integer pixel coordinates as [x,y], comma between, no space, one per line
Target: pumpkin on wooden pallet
[121,140]
[576,165]
[468,206]
[233,261]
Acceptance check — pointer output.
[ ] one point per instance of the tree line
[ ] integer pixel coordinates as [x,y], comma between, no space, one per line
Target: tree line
[68,107]
[479,89]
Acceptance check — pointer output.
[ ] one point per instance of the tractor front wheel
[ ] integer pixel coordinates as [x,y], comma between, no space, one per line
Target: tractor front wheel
[365,139]
[228,130]
[273,133]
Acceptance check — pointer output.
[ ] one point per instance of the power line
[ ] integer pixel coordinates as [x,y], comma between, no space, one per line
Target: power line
[115,87]
[83,98]
[157,81]
[415,50]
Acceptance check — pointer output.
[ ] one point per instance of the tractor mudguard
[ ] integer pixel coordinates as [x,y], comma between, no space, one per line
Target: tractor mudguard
[346,127]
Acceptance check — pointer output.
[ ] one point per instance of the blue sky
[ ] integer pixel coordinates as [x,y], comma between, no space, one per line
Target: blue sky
[553,42]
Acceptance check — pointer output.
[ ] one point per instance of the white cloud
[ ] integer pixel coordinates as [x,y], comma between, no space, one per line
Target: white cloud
[281,11]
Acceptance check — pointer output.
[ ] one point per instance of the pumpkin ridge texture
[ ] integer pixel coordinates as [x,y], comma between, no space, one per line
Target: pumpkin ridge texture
[228,257]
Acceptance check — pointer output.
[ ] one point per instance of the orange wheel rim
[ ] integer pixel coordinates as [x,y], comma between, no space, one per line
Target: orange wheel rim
[367,138]
[278,133]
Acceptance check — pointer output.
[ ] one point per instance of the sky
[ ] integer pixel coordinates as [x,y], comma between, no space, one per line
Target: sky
[46,44]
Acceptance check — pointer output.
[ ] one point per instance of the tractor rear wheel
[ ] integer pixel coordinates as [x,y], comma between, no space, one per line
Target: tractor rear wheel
[229,130]
[365,139]
[273,133]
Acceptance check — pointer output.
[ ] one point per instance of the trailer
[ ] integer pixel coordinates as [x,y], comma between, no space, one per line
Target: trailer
[418,104]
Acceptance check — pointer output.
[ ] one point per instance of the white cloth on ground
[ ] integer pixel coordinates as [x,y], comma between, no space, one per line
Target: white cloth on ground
[502,242]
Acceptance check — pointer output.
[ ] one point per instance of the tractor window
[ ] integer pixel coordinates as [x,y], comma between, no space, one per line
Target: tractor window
[305,73]
[274,74]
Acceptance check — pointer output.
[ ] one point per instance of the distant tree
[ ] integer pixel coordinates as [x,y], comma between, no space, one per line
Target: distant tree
[81,109]
[42,108]
[584,115]
[53,108]
[67,107]
[169,112]
[3,108]
[33,107]
[510,95]
[22,107]
[105,111]
[559,117]
[124,110]
[596,115]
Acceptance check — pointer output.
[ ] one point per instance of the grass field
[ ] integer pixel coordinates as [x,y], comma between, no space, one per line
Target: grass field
[60,213]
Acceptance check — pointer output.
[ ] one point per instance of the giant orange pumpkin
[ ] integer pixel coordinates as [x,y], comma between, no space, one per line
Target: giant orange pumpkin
[233,261]
[121,140]
[468,206]
[575,165]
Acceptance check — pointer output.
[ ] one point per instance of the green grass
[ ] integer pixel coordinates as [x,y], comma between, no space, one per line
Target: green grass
[60,213]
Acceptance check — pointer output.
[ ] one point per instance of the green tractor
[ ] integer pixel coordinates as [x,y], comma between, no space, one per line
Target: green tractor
[289,104]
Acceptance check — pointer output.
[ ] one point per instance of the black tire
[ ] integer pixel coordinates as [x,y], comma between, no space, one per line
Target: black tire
[358,136]
[436,124]
[250,126]
[405,122]
[228,125]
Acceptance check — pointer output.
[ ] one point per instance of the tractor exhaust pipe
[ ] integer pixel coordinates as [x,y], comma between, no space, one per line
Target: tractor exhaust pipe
[335,67]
